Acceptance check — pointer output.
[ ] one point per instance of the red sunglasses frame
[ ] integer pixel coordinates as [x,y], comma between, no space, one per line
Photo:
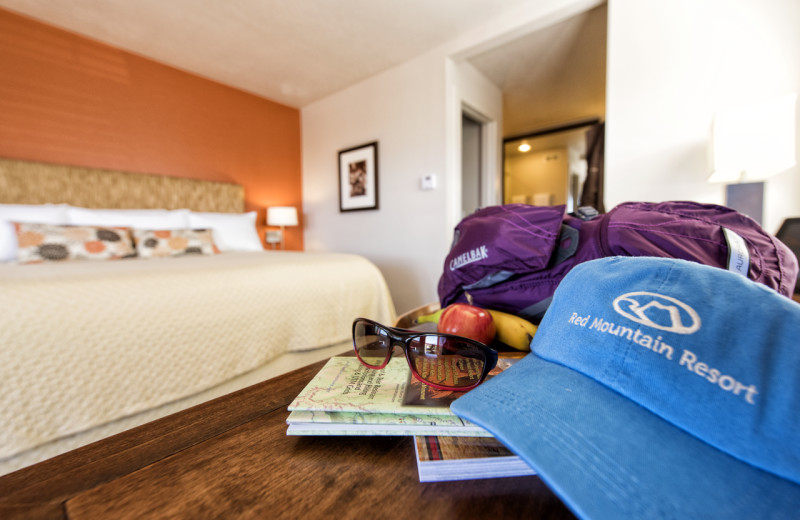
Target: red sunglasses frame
[403,337]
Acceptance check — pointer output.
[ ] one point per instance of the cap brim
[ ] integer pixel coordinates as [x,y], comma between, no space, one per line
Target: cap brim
[608,457]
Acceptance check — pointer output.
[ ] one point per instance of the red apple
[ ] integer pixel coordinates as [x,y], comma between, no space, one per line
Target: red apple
[467,321]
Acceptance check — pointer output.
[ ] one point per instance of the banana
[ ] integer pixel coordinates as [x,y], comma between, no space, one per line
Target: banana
[430,318]
[512,330]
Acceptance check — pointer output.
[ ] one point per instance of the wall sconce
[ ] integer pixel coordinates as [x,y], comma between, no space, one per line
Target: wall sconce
[749,145]
[280,216]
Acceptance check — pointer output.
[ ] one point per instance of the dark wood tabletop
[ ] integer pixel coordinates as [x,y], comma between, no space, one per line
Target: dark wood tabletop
[231,458]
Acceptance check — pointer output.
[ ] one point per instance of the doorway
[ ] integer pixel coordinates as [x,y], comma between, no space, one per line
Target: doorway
[471,164]
[547,167]
[550,77]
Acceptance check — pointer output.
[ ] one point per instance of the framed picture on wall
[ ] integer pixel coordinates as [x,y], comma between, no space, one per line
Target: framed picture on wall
[358,178]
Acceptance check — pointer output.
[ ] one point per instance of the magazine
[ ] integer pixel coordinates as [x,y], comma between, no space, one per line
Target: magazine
[442,458]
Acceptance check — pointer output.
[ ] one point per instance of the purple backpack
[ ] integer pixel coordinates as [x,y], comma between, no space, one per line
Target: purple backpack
[512,257]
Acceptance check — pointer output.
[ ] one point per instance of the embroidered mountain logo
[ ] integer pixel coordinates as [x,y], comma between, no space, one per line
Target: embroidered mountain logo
[658,311]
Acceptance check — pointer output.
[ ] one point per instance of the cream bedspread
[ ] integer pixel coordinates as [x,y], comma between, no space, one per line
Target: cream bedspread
[85,343]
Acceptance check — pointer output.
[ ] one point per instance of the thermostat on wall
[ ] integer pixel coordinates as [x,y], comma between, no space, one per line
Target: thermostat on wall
[428,182]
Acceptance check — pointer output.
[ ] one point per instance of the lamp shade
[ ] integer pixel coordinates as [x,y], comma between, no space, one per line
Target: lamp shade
[282,216]
[754,142]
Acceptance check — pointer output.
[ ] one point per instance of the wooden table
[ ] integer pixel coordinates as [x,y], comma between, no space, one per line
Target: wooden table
[231,458]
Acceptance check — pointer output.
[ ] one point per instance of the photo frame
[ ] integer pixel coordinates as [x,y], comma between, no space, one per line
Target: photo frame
[358,178]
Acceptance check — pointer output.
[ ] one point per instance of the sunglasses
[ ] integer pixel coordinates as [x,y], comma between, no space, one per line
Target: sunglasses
[443,361]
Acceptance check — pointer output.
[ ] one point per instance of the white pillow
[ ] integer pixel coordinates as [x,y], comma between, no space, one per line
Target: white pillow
[151,219]
[28,213]
[232,231]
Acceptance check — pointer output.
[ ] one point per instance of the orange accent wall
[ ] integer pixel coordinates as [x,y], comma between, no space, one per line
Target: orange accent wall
[67,99]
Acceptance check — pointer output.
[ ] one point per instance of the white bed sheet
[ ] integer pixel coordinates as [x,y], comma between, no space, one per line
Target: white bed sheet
[86,343]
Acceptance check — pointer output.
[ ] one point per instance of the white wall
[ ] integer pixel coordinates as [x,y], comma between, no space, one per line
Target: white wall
[414,112]
[403,110]
[671,65]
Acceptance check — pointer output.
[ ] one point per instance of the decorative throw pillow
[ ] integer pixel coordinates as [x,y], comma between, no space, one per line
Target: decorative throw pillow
[52,242]
[174,242]
[10,213]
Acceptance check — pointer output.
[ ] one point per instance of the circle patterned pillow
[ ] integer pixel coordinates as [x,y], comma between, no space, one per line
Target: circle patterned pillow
[175,242]
[53,242]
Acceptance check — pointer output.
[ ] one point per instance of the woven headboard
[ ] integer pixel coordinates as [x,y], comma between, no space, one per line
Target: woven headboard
[25,182]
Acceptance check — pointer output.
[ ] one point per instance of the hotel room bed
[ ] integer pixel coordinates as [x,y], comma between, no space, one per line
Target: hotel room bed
[87,344]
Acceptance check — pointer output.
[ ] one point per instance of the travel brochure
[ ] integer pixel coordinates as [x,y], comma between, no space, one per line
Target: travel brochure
[345,385]
[348,398]
[351,423]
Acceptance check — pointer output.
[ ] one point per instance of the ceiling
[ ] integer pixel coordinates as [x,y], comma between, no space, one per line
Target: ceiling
[553,76]
[296,52]
[293,52]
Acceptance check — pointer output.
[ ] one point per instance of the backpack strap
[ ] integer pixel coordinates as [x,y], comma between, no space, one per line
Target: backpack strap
[536,311]
[489,280]
[567,244]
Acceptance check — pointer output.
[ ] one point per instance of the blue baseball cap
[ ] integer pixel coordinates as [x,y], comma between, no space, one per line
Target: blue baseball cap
[657,388]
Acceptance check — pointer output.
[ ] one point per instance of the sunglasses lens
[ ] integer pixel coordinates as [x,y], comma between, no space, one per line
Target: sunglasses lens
[372,344]
[446,361]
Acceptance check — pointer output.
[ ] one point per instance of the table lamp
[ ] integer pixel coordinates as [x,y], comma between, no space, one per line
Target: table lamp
[750,144]
[281,216]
